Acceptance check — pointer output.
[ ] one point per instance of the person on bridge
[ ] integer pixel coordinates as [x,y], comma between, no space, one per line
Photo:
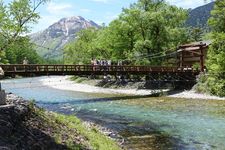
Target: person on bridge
[1,72]
[25,61]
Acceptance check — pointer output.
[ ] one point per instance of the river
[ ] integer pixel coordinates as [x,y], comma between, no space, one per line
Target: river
[144,122]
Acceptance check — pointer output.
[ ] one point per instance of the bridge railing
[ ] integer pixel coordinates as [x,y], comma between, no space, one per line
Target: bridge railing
[33,68]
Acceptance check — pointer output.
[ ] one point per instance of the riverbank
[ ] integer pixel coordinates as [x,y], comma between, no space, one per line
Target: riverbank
[25,126]
[90,86]
[65,83]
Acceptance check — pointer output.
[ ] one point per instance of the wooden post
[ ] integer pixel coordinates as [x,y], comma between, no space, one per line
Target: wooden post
[201,59]
[182,59]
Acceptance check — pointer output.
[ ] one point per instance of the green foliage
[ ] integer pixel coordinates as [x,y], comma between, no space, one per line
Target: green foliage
[146,28]
[72,132]
[97,140]
[216,52]
[20,49]
[31,105]
[202,85]
[216,65]
[15,20]
[217,19]
[81,50]
[3,59]
[196,34]
[196,66]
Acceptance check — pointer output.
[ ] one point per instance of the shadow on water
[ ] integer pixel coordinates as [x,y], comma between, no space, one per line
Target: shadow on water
[97,100]
[110,99]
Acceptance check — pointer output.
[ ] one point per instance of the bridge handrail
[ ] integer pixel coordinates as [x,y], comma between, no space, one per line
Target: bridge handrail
[91,68]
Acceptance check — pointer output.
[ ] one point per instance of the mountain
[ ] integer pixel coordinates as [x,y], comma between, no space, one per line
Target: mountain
[50,42]
[199,16]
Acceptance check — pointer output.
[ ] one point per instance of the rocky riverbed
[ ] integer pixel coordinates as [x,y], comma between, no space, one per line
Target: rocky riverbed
[21,129]
[24,126]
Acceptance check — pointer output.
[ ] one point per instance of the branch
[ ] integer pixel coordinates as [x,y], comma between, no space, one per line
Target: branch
[21,22]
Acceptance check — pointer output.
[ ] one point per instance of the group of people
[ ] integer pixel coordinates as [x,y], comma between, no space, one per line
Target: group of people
[103,62]
[96,62]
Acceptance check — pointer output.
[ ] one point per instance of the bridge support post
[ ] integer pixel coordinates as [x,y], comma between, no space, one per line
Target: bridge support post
[2,96]
[201,59]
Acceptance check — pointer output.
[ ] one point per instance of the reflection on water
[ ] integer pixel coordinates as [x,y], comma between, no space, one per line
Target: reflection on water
[145,123]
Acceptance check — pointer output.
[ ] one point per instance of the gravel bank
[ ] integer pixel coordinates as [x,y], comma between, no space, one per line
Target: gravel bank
[64,83]
[193,95]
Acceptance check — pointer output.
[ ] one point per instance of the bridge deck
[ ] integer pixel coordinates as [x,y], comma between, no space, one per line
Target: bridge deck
[32,69]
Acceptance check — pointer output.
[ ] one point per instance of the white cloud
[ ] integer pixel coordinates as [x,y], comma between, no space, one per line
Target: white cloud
[102,1]
[44,22]
[58,8]
[187,3]
[55,11]
[85,10]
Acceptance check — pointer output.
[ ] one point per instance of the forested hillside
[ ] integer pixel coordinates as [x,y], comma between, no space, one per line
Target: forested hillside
[199,16]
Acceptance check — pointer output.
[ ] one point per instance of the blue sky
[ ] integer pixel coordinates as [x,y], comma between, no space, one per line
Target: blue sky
[100,11]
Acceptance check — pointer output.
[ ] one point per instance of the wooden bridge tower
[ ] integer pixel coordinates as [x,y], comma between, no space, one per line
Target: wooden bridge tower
[190,54]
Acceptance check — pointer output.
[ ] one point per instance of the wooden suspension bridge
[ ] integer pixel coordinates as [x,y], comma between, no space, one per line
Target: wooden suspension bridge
[187,56]
[155,77]
[32,69]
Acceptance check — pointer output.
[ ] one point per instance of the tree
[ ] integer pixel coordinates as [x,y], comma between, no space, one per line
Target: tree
[145,28]
[217,19]
[81,50]
[196,33]
[216,52]
[156,27]
[20,49]
[15,19]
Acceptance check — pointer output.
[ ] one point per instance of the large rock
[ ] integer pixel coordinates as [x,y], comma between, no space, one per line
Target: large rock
[2,97]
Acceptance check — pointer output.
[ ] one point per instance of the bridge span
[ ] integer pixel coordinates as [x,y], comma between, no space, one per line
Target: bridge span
[38,70]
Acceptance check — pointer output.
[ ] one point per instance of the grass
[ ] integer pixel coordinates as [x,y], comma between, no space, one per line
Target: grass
[96,140]
[70,131]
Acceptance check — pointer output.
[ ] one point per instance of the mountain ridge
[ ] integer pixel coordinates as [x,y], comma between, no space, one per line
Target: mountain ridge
[199,16]
[51,40]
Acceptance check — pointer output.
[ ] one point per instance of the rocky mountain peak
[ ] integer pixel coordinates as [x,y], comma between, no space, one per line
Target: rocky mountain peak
[58,34]
[69,26]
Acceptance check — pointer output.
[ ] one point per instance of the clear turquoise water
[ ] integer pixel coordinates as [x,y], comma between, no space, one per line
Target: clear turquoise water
[144,126]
